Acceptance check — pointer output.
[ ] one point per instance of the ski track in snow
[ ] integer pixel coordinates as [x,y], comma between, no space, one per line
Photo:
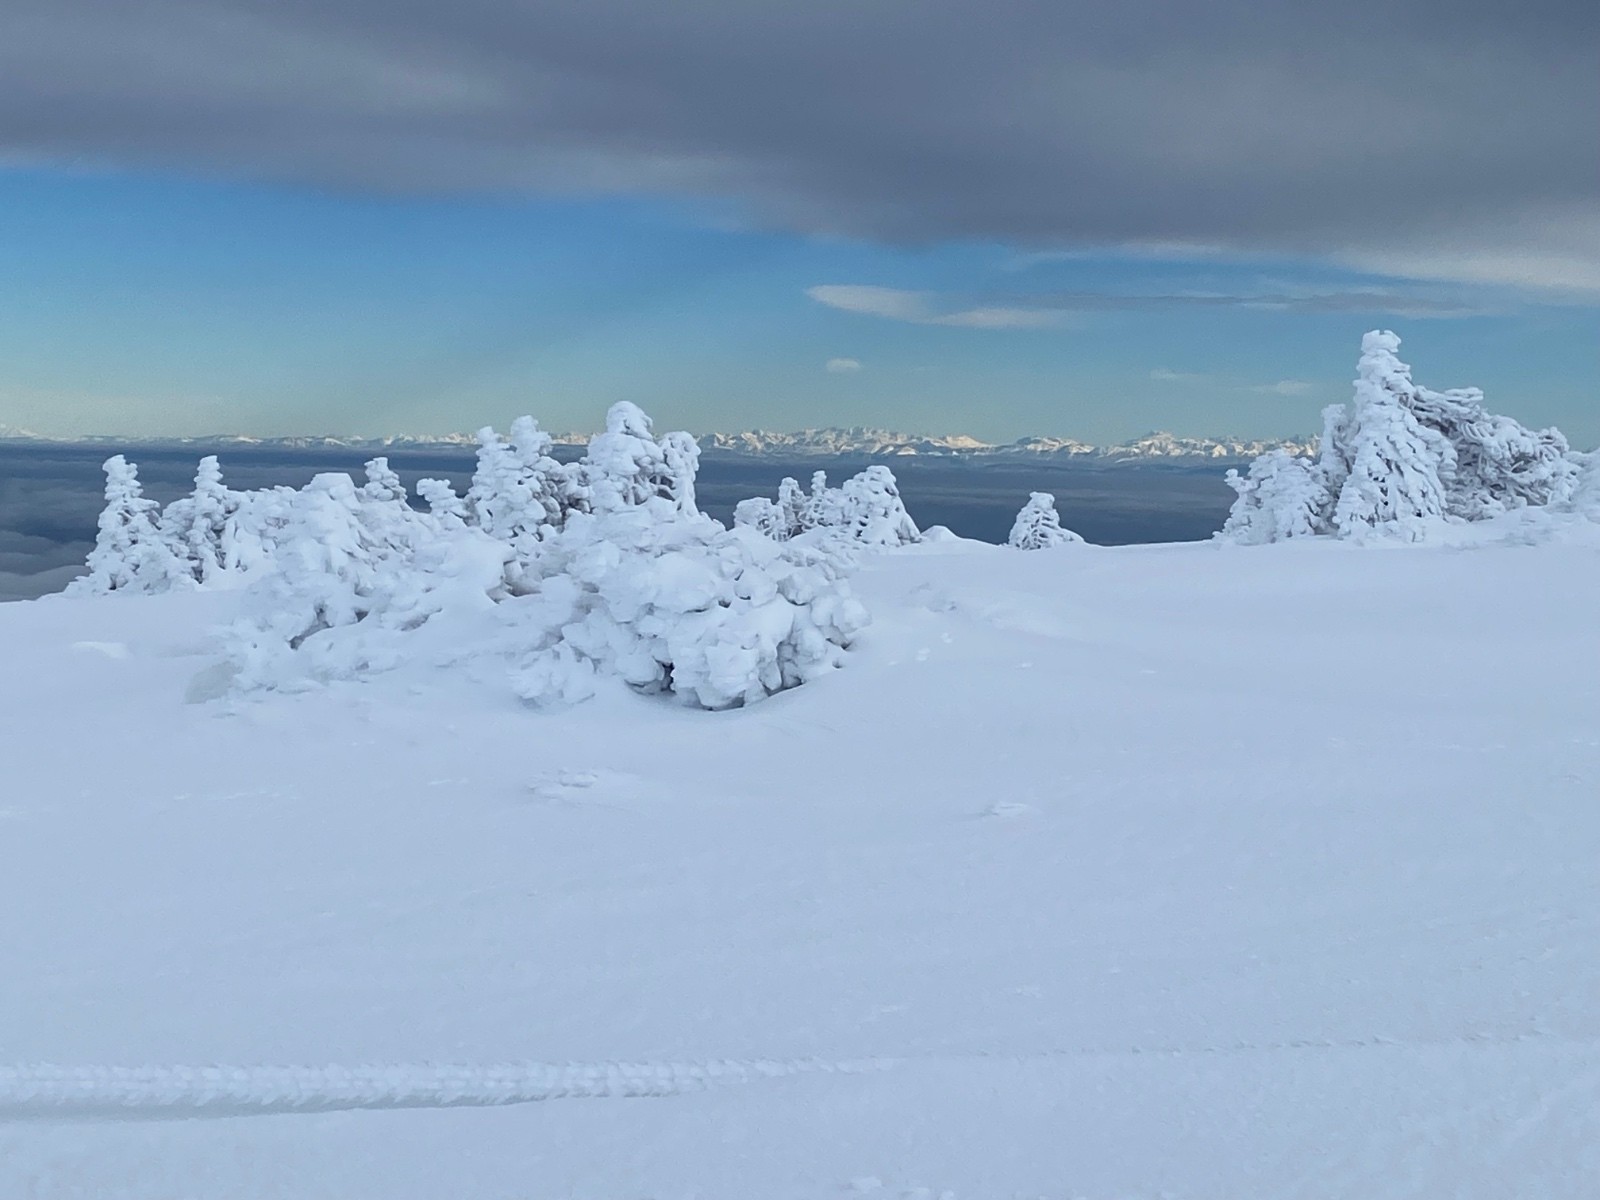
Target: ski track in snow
[46,1090]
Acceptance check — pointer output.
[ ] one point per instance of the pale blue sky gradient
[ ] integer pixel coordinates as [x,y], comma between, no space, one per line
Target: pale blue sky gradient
[162,305]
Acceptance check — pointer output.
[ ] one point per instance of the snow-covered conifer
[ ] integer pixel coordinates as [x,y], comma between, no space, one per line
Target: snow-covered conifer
[1038,526]
[1398,459]
[873,511]
[866,509]
[131,552]
[1398,468]
[194,525]
[442,501]
[626,466]
[795,515]
[1281,497]
[1500,464]
[383,484]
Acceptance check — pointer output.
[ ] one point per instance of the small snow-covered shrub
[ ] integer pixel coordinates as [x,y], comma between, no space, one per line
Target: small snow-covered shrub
[675,603]
[1038,526]
[1397,461]
[866,509]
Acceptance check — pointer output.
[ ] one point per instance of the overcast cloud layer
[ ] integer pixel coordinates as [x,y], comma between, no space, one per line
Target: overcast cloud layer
[1449,138]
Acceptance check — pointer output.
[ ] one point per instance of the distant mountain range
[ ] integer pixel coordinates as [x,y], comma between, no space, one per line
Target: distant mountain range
[858,442]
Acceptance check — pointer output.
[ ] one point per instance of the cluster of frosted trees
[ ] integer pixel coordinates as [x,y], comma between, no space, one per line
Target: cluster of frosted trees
[573,572]
[1399,459]
[867,508]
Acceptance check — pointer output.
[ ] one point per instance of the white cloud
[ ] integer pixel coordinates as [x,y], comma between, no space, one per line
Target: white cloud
[923,308]
[1163,375]
[842,366]
[893,303]
[1285,387]
[1002,318]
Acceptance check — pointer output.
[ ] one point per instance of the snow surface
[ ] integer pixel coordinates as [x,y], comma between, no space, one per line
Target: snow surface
[1190,871]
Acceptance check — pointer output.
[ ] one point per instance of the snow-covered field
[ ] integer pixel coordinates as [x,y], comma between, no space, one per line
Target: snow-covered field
[1172,871]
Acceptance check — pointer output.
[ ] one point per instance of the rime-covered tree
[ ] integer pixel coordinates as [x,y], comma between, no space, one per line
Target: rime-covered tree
[195,525]
[874,513]
[867,509]
[1282,497]
[627,466]
[383,484]
[131,553]
[1399,458]
[1398,468]
[1038,526]
[442,501]
[795,515]
[1499,464]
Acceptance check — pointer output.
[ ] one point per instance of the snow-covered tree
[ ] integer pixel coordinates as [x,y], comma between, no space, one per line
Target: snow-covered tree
[874,512]
[764,516]
[716,617]
[1399,459]
[1500,464]
[1397,467]
[794,508]
[627,466]
[254,530]
[131,553]
[383,484]
[867,509]
[1038,526]
[194,526]
[520,493]
[1282,497]
[442,501]
[354,577]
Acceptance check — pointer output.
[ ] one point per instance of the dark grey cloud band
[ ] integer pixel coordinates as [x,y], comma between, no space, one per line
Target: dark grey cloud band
[1457,138]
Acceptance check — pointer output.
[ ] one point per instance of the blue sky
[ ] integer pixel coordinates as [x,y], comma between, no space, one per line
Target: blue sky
[159,304]
[1086,218]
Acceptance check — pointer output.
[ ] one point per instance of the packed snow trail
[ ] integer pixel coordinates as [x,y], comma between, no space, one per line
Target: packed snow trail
[55,1090]
[50,1090]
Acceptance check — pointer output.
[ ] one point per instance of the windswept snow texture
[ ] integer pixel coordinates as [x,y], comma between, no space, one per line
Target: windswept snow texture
[1175,871]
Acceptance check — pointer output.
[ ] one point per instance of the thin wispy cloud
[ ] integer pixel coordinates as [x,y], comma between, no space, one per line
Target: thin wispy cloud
[1057,309]
[929,308]
[842,366]
[1285,387]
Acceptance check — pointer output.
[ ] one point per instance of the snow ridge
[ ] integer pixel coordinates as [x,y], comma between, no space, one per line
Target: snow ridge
[52,1090]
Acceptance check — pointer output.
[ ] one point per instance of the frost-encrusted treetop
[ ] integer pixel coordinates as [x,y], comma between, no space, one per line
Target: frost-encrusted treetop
[1038,526]
[1398,460]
